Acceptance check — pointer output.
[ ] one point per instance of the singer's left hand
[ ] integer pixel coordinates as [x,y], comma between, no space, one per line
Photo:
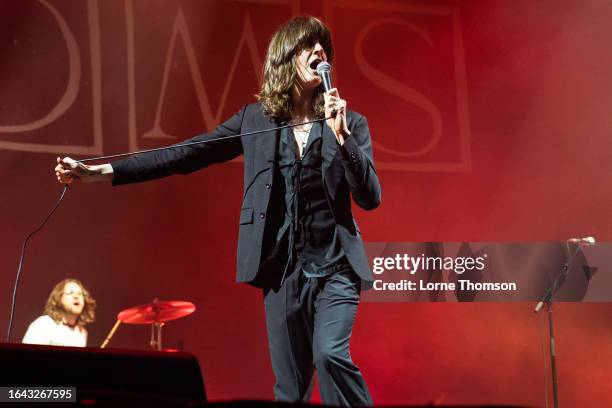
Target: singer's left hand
[336,108]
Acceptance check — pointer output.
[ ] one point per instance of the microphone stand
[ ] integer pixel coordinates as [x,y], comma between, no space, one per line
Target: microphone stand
[547,301]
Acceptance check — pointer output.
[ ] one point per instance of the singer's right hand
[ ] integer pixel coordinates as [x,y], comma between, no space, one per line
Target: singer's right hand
[68,170]
[336,109]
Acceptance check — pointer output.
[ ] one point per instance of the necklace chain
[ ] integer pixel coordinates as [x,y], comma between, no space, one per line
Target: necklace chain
[301,135]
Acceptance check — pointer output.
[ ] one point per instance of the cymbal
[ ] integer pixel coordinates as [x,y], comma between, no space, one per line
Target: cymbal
[156,312]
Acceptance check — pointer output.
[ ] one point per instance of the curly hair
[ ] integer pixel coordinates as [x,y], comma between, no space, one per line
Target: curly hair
[55,310]
[279,69]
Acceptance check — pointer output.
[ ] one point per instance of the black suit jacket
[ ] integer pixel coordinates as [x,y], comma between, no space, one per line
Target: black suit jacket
[348,170]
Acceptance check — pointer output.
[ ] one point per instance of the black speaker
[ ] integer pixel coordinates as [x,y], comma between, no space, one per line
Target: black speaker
[104,377]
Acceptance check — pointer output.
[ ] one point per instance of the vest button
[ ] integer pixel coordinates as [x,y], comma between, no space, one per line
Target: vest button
[268,186]
[262,215]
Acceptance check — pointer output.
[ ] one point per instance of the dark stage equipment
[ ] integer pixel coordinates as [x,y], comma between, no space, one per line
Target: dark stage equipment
[105,377]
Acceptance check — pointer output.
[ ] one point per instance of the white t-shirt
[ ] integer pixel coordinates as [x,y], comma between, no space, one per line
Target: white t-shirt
[46,331]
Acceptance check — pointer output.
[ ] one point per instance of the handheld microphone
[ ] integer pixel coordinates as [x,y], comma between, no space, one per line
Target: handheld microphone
[587,241]
[324,71]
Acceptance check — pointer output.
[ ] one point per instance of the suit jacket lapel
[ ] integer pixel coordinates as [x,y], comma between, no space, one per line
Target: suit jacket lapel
[268,141]
[329,148]
[329,151]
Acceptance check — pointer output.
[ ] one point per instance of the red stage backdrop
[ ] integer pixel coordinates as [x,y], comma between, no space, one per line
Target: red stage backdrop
[490,121]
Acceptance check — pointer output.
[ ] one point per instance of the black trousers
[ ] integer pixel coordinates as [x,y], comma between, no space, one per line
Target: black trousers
[309,322]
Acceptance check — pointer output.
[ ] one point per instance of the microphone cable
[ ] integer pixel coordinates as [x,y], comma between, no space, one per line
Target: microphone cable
[112,156]
[21,257]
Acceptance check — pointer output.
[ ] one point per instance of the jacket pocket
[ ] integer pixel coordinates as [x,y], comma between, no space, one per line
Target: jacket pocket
[246,216]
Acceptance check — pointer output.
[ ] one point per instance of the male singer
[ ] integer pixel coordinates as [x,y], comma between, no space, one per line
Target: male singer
[298,240]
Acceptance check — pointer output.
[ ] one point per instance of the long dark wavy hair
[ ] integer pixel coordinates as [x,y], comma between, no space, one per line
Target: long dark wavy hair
[279,69]
[56,311]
